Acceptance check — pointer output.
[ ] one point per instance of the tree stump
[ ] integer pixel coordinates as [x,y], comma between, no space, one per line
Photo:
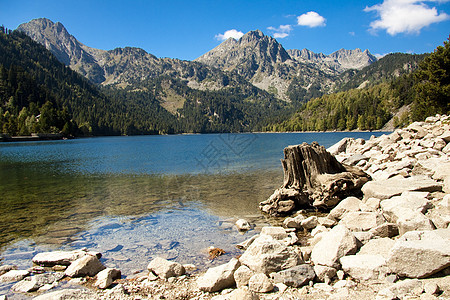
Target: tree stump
[313,178]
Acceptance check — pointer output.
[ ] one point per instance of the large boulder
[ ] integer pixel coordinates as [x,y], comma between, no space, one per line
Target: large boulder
[165,269]
[385,189]
[334,244]
[218,278]
[420,254]
[362,221]
[364,266]
[242,276]
[88,265]
[347,205]
[381,246]
[296,276]
[267,255]
[65,258]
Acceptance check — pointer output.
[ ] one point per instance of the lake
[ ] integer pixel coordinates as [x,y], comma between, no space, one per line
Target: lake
[134,198]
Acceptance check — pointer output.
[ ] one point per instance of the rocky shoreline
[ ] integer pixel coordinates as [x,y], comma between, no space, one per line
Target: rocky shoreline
[393,242]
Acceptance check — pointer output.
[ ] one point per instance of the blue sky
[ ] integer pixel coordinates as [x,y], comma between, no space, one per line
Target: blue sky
[188,29]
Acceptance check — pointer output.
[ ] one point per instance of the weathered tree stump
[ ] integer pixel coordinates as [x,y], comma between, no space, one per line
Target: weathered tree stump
[313,178]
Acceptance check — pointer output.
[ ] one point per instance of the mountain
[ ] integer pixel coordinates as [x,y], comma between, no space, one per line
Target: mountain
[266,64]
[256,59]
[338,61]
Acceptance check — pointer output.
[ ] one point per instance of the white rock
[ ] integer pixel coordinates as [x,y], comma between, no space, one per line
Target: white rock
[165,269]
[87,265]
[401,289]
[362,221]
[242,294]
[364,266]
[310,222]
[386,189]
[380,246]
[34,283]
[14,275]
[277,233]
[243,225]
[335,243]
[218,278]
[260,283]
[430,248]
[266,255]
[413,220]
[65,258]
[346,205]
[242,276]
[106,277]
[324,273]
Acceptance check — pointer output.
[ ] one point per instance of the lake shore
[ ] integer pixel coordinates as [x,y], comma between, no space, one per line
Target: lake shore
[363,248]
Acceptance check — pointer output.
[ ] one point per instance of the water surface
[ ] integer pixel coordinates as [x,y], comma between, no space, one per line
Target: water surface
[135,198]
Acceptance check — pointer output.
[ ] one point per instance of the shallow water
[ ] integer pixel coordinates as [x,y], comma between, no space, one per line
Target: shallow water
[135,198]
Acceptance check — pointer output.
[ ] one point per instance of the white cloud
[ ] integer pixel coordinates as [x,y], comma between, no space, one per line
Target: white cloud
[281,32]
[405,16]
[232,33]
[311,19]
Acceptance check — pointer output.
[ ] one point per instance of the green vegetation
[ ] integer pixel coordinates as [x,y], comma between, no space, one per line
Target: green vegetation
[426,91]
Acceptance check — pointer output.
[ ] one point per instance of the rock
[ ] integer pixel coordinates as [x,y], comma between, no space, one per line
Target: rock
[380,246]
[243,294]
[49,259]
[3,297]
[373,203]
[310,222]
[312,176]
[266,255]
[431,288]
[218,278]
[327,222]
[6,268]
[430,248]
[33,283]
[394,207]
[385,189]
[277,233]
[242,276]
[363,237]
[413,220]
[14,275]
[295,222]
[385,230]
[362,221]
[106,277]
[347,205]
[243,225]
[165,269]
[245,244]
[340,146]
[318,229]
[296,276]
[69,294]
[335,243]
[87,265]
[401,289]
[439,144]
[260,283]
[364,266]
[324,273]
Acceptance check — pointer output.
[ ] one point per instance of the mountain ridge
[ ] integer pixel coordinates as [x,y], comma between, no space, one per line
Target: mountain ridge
[258,58]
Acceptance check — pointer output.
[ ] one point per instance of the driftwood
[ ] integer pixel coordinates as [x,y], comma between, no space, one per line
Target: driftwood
[313,178]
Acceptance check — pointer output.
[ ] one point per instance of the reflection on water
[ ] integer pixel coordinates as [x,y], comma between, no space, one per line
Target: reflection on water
[133,198]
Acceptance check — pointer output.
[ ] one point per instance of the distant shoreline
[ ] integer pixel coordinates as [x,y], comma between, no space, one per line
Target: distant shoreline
[33,137]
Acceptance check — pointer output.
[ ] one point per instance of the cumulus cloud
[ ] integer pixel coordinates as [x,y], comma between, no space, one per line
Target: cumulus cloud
[281,32]
[311,19]
[232,33]
[405,16]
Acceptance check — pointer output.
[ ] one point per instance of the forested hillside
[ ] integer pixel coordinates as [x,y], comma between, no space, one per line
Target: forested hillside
[425,91]
[38,94]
